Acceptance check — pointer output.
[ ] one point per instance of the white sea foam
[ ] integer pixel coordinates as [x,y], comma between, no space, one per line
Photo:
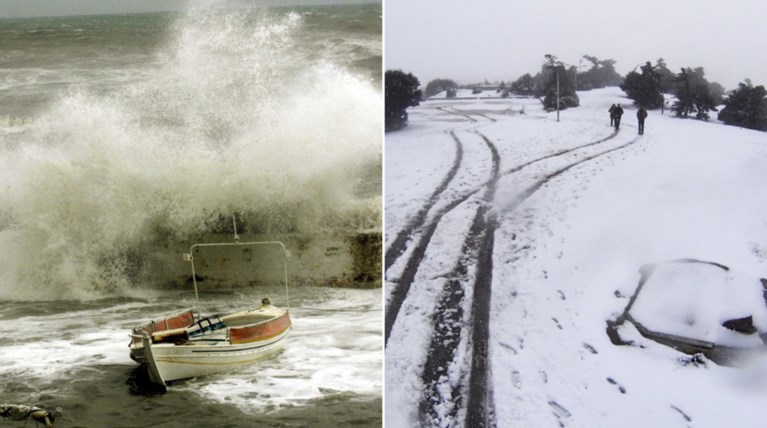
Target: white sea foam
[234,119]
[322,357]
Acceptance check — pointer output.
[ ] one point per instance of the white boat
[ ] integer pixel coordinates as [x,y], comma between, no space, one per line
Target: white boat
[186,345]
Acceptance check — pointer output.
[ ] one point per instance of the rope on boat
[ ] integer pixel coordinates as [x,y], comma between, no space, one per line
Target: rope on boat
[20,412]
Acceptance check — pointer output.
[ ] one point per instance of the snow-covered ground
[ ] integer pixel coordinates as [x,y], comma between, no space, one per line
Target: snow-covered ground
[569,224]
[469,93]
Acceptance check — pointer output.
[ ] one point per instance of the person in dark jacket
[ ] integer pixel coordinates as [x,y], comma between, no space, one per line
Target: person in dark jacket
[612,115]
[641,116]
[618,112]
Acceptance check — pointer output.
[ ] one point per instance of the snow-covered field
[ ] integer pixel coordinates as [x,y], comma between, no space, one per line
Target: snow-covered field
[470,93]
[550,222]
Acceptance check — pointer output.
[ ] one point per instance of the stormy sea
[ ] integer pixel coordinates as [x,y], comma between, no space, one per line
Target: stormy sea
[124,137]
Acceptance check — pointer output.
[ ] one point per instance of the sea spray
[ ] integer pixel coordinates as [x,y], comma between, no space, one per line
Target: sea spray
[232,118]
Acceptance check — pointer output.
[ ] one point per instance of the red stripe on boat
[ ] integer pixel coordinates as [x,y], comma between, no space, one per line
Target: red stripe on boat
[184,319]
[260,331]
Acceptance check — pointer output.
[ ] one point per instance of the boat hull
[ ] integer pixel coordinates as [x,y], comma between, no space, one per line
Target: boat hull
[212,354]
[186,345]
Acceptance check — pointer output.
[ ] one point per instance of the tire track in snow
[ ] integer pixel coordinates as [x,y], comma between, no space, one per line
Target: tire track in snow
[457,113]
[479,408]
[442,392]
[477,405]
[448,318]
[398,246]
[548,177]
[417,224]
[486,117]
[469,113]
[449,321]
[466,114]
[559,153]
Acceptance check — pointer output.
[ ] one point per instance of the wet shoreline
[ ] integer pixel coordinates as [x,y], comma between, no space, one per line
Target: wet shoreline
[73,355]
[113,399]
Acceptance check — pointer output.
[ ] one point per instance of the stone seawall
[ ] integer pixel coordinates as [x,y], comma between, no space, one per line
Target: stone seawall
[343,259]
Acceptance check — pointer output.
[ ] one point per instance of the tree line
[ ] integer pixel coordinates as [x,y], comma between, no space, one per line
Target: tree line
[745,106]
[694,95]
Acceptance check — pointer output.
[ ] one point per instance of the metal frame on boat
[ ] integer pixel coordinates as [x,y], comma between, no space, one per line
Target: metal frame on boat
[185,344]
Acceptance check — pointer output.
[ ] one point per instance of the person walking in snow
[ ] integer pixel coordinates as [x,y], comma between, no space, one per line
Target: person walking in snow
[641,116]
[612,115]
[618,112]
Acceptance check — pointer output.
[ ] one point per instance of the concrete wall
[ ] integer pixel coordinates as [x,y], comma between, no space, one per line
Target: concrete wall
[328,259]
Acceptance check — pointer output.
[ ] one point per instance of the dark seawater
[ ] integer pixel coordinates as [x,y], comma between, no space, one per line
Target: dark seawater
[43,58]
[123,137]
[73,355]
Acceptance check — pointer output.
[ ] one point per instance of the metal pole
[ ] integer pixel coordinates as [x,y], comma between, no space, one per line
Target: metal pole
[557,94]
[194,280]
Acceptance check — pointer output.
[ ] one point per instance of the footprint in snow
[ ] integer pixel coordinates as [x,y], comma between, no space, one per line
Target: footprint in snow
[556,321]
[509,347]
[590,348]
[558,410]
[620,387]
[516,379]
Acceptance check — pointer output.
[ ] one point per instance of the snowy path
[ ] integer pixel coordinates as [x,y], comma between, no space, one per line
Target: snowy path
[530,236]
[454,375]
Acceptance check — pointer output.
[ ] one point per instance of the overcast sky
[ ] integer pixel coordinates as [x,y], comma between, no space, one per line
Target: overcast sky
[469,41]
[32,8]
